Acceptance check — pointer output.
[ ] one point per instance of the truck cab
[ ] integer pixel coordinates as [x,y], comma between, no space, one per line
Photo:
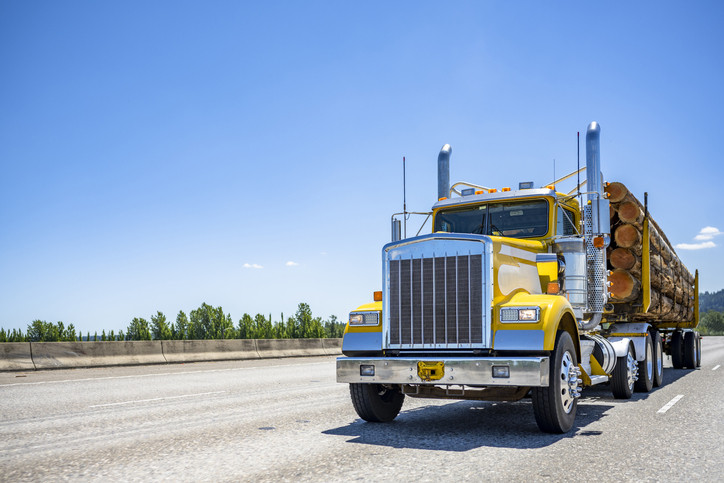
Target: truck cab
[504,298]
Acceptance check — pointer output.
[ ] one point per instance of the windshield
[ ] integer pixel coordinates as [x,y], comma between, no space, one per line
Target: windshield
[521,219]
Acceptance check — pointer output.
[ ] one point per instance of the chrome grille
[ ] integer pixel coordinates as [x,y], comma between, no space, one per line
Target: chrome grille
[437,301]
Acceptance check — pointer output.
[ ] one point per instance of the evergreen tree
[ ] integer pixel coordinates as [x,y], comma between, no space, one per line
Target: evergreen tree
[159,328]
[246,328]
[138,330]
[181,327]
[70,334]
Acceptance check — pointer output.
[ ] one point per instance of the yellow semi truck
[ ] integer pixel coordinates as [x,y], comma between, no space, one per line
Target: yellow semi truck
[507,297]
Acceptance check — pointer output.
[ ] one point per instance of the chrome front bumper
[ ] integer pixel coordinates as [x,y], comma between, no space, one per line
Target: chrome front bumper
[523,371]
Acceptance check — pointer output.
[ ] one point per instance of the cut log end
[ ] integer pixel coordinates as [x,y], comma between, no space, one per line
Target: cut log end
[627,236]
[622,258]
[630,212]
[624,287]
[616,191]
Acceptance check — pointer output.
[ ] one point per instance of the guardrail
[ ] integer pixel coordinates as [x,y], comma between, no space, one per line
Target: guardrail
[24,356]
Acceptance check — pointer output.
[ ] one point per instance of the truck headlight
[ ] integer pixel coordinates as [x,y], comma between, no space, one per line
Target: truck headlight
[364,318]
[520,314]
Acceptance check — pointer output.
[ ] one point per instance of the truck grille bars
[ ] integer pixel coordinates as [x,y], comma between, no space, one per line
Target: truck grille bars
[438,301]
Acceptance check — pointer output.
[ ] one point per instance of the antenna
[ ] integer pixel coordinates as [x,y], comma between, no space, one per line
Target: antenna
[554,174]
[578,147]
[404,198]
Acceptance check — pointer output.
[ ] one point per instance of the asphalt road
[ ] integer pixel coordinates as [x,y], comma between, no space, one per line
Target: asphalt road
[287,420]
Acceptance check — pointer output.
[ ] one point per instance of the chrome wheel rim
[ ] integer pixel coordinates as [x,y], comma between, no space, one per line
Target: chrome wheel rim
[569,382]
[659,359]
[632,373]
[649,362]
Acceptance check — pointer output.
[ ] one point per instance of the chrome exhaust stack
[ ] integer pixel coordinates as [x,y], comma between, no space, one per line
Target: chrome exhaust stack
[443,172]
[597,230]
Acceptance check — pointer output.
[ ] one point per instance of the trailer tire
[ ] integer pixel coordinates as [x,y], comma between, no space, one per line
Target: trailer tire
[376,403]
[690,350]
[698,350]
[555,406]
[658,359]
[677,350]
[646,368]
[624,376]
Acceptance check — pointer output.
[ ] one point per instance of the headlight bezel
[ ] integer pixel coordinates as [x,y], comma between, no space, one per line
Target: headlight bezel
[369,318]
[519,315]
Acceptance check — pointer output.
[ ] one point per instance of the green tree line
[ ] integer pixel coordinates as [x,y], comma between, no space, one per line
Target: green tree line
[205,322]
[711,301]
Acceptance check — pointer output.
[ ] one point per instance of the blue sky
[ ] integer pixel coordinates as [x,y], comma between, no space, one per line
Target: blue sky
[157,155]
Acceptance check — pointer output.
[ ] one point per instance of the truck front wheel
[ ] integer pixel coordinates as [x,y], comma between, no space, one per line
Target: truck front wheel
[376,403]
[555,406]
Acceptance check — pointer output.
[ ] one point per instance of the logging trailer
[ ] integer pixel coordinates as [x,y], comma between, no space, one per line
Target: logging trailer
[527,292]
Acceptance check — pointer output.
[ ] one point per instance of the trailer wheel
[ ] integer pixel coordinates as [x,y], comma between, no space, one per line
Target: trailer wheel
[677,350]
[690,350]
[376,403]
[658,359]
[698,350]
[624,375]
[555,406]
[646,369]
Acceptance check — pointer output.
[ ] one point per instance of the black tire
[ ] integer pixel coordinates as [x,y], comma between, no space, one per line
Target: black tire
[658,360]
[624,375]
[376,403]
[677,350]
[690,350]
[555,406]
[646,368]
[698,350]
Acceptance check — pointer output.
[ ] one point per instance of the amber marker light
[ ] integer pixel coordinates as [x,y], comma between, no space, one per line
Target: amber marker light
[443,198]
[479,192]
[598,242]
[492,190]
[553,288]
[377,296]
[505,189]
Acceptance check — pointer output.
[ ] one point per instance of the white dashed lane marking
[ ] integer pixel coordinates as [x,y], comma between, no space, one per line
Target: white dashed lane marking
[670,404]
[156,399]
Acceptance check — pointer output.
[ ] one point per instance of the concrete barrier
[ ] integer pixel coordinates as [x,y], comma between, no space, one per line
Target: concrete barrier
[16,356]
[332,347]
[57,355]
[290,347]
[209,350]
[19,356]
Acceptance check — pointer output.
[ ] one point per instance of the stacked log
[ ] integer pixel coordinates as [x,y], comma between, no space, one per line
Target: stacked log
[672,285]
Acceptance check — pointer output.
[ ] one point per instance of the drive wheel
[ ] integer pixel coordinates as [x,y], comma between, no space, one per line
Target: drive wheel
[658,360]
[555,406]
[646,369]
[376,403]
[690,349]
[624,375]
[677,350]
